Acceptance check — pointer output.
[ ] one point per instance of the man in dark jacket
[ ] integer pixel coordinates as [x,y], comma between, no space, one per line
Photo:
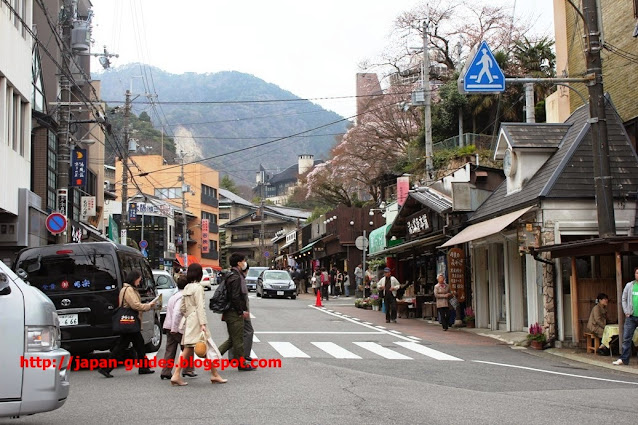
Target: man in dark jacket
[238,311]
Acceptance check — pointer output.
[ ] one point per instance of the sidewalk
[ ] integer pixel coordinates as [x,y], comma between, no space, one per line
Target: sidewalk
[432,330]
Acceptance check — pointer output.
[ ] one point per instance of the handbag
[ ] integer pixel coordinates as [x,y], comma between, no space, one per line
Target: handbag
[126,320]
[200,347]
[454,302]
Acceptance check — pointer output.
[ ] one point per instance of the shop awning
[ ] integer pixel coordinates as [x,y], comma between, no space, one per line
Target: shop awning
[210,265]
[378,238]
[485,228]
[308,247]
[191,259]
[288,244]
[430,240]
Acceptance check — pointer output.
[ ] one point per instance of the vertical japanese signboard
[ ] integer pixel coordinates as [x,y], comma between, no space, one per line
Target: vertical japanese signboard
[62,200]
[78,167]
[456,272]
[87,207]
[205,241]
[403,187]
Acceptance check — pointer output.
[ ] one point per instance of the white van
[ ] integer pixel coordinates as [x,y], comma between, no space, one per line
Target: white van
[35,375]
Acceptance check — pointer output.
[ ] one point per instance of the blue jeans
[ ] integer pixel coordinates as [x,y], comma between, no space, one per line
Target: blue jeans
[631,323]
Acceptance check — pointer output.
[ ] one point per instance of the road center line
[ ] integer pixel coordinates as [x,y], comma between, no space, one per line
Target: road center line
[351,320]
[556,373]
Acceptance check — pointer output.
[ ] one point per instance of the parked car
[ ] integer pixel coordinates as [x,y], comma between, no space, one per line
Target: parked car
[165,285]
[209,278]
[252,275]
[84,280]
[30,331]
[276,283]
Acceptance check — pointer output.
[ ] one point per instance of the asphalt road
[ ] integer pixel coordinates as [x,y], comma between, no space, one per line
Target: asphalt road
[337,369]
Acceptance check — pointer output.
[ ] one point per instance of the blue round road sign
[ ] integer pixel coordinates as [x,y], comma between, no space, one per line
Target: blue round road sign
[56,223]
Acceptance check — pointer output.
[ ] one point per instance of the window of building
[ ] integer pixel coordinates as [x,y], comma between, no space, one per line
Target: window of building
[169,193]
[224,216]
[213,245]
[37,95]
[212,218]
[209,191]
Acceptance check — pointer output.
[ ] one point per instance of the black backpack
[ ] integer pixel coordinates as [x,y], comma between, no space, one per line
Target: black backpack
[220,302]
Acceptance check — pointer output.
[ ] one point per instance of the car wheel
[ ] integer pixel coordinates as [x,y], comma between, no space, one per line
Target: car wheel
[292,297]
[156,340]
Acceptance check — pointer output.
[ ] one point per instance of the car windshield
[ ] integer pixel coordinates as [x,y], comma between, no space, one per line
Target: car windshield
[278,275]
[254,272]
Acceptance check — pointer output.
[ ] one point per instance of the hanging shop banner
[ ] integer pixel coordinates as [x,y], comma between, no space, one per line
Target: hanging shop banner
[403,187]
[62,199]
[205,241]
[87,206]
[78,167]
[456,272]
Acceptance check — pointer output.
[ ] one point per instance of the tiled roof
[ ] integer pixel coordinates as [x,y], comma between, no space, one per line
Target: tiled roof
[234,198]
[568,173]
[531,135]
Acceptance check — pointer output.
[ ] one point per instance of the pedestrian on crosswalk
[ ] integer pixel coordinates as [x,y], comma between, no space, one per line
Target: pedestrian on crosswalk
[390,285]
[443,294]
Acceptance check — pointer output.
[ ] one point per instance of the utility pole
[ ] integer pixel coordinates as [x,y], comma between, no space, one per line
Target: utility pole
[427,100]
[124,212]
[184,223]
[598,121]
[64,114]
[262,232]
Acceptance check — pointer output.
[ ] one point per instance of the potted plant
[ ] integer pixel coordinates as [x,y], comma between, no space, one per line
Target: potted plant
[375,302]
[536,336]
[357,302]
[469,318]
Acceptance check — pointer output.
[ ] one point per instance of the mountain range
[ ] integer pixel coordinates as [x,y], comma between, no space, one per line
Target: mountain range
[214,114]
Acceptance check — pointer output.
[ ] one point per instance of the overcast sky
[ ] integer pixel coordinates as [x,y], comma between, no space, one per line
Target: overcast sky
[312,49]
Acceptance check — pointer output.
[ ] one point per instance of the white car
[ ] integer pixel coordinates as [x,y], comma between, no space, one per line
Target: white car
[209,278]
[165,285]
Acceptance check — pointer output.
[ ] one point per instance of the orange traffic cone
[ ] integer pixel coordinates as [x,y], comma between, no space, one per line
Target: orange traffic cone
[318,303]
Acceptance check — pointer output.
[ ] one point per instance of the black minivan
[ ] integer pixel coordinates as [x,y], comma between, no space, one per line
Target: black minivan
[84,280]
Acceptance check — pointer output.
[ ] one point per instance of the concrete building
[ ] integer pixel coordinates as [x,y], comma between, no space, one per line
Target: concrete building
[200,188]
[277,188]
[21,218]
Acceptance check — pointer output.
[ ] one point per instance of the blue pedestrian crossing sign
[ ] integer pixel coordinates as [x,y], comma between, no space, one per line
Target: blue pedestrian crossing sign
[484,75]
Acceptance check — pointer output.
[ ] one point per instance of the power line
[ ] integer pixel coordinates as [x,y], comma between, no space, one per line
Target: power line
[277,140]
[236,102]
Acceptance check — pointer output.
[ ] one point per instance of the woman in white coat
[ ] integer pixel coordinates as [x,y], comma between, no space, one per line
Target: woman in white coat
[193,324]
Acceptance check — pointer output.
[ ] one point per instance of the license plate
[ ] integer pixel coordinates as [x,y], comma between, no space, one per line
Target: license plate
[68,319]
[280,292]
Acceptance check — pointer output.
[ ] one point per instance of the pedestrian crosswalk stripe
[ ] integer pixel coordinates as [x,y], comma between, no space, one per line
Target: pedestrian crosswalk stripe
[393,331]
[382,351]
[414,338]
[253,355]
[286,349]
[427,351]
[255,339]
[335,350]
[252,316]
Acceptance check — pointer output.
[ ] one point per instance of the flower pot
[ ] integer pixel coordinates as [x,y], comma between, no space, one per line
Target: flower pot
[470,324]
[536,345]
[375,307]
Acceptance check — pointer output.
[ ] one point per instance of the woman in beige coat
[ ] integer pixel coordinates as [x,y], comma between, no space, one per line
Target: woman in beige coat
[193,324]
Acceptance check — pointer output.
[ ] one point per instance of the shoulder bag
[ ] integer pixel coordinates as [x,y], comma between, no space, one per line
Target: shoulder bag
[125,319]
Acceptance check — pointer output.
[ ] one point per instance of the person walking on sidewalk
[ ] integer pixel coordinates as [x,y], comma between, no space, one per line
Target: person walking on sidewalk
[630,308]
[389,284]
[129,297]
[325,283]
[238,311]
[443,295]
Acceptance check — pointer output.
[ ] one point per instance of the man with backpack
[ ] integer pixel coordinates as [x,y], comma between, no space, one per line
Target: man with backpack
[237,310]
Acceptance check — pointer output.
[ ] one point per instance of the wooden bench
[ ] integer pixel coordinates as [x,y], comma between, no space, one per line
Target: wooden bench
[592,342]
